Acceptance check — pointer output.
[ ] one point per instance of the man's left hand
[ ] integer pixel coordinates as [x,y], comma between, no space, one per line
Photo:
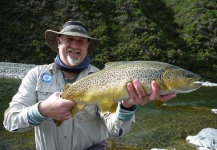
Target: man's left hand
[138,95]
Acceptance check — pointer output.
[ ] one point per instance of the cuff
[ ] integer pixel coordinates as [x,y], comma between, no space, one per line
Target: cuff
[34,116]
[125,114]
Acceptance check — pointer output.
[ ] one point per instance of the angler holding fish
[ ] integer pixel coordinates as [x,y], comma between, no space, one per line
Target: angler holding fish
[83,114]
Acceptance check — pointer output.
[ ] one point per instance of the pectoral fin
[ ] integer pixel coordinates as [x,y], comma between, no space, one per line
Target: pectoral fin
[108,105]
[76,109]
[57,122]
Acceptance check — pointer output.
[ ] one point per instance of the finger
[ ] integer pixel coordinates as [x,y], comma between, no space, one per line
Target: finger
[67,116]
[155,91]
[141,94]
[139,89]
[69,103]
[131,91]
[62,118]
[58,94]
[167,97]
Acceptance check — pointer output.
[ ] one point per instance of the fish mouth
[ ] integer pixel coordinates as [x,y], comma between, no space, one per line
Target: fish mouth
[193,81]
[191,85]
[196,85]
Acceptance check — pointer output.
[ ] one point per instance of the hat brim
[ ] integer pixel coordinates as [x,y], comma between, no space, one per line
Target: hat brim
[51,35]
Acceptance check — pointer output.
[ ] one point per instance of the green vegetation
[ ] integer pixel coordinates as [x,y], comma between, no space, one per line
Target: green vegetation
[179,32]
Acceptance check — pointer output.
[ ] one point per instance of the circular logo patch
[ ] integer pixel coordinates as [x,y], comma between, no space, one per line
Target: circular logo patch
[46,77]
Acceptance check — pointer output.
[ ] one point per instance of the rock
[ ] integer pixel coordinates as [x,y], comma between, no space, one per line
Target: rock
[214,111]
[206,139]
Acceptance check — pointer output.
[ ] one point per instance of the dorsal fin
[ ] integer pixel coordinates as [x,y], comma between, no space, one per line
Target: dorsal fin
[116,63]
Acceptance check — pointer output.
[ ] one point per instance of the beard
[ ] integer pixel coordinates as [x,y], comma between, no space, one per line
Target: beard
[73,61]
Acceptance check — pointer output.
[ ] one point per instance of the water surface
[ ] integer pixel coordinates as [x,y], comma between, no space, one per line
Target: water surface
[166,127]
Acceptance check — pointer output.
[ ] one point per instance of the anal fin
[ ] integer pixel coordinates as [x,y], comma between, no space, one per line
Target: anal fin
[108,105]
[76,109]
[157,103]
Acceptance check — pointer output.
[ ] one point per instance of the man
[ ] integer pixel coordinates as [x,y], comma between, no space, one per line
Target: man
[37,102]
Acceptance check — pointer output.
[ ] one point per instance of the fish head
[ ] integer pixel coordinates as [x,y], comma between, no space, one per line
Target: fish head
[180,80]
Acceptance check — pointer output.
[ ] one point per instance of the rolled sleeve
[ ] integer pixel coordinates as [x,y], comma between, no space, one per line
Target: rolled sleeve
[15,118]
[117,127]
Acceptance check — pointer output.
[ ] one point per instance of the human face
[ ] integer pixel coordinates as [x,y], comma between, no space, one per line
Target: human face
[72,49]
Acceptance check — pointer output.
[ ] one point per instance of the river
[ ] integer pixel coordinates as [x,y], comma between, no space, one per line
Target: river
[166,127]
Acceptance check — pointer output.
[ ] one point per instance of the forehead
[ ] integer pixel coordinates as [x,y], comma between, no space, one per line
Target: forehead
[73,37]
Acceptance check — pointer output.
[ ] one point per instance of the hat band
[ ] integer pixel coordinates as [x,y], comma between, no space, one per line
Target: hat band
[74,28]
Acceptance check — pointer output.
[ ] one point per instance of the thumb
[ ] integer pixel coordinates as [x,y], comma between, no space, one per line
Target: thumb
[58,93]
[69,103]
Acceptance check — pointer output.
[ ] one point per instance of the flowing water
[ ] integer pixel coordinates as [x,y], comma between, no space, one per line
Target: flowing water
[166,127]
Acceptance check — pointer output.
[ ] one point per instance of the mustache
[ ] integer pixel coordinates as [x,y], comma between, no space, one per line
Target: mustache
[73,50]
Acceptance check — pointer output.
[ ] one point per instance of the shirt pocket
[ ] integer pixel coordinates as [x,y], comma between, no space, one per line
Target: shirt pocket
[43,95]
[43,92]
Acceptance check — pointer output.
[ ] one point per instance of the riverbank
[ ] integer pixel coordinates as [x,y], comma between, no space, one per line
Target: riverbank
[19,70]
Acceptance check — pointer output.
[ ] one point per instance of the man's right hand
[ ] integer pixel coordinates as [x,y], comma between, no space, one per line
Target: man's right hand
[56,108]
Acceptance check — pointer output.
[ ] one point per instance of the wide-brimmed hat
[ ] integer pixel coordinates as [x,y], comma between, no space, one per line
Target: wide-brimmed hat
[71,28]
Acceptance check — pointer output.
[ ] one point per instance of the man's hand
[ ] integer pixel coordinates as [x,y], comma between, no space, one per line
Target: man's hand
[56,108]
[139,97]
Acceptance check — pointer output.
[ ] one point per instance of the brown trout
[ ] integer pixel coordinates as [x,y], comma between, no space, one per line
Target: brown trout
[108,86]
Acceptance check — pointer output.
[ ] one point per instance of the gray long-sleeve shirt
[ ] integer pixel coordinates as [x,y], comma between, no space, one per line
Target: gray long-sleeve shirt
[88,127]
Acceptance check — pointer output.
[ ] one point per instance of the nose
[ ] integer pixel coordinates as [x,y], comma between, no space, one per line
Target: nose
[75,44]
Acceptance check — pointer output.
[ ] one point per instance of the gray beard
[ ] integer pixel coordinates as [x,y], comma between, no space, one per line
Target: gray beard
[72,61]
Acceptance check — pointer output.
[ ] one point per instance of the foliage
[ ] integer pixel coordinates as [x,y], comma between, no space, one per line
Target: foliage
[178,32]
